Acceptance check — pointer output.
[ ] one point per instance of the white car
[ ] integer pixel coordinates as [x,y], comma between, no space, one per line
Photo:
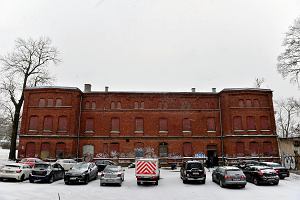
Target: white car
[17,171]
[67,164]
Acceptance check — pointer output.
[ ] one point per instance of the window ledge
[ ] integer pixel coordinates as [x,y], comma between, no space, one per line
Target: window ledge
[138,131]
[265,130]
[238,130]
[186,131]
[89,131]
[163,131]
[116,132]
[251,130]
[47,131]
[62,131]
[211,131]
[33,131]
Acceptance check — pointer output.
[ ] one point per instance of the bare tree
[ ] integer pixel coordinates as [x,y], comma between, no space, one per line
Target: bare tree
[289,61]
[259,82]
[287,117]
[26,66]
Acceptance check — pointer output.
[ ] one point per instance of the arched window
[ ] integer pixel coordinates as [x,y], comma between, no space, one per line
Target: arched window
[253,148]
[256,103]
[136,105]
[33,123]
[248,103]
[42,102]
[267,148]
[241,103]
[142,105]
[87,105]
[30,150]
[119,105]
[58,102]
[240,148]
[45,150]
[93,105]
[187,149]
[60,149]
[48,123]
[50,102]
[112,105]
[62,124]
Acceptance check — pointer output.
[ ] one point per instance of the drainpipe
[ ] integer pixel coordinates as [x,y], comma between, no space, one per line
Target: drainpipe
[78,131]
[221,127]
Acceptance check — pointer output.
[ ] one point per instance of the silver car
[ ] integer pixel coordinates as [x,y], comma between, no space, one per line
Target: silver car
[67,164]
[112,175]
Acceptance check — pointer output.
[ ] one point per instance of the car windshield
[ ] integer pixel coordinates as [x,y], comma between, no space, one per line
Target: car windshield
[111,169]
[194,165]
[234,172]
[42,166]
[24,160]
[274,165]
[81,166]
[13,166]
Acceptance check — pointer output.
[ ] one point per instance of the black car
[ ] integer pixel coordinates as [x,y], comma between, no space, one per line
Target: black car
[245,163]
[81,172]
[229,176]
[101,164]
[46,172]
[261,175]
[281,171]
[192,171]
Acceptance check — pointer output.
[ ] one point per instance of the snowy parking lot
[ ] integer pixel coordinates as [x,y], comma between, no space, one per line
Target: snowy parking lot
[170,187]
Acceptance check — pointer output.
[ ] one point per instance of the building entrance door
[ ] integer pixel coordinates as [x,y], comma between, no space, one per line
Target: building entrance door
[212,156]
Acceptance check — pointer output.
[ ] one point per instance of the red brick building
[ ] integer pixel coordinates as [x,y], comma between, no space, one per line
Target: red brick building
[66,122]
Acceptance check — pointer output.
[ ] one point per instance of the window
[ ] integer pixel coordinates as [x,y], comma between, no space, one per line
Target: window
[264,123]
[240,148]
[139,149]
[45,150]
[267,148]
[187,149]
[87,105]
[42,103]
[241,103]
[256,103]
[136,105]
[62,123]
[119,105]
[253,148]
[139,124]
[186,125]
[237,123]
[159,105]
[248,103]
[60,150]
[89,125]
[33,123]
[58,102]
[93,105]
[112,105]
[88,150]
[211,124]
[251,123]
[142,105]
[163,125]
[115,125]
[105,148]
[30,150]
[48,123]
[163,149]
[114,149]
[50,103]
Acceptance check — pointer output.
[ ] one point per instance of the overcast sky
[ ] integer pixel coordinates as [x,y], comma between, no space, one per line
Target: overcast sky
[157,45]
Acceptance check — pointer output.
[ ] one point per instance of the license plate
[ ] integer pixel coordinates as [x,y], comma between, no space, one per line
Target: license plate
[236,179]
[195,173]
[271,180]
[73,178]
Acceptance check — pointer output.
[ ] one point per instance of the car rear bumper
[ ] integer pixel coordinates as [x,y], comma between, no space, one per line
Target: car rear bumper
[111,180]
[74,179]
[269,180]
[10,176]
[235,182]
[38,178]
[150,179]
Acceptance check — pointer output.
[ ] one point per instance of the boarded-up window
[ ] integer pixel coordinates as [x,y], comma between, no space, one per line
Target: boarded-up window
[240,148]
[112,105]
[241,103]
[88,150]
[45,150]
[58,102]
[93,105]
[62,123]
[60,150]
[50,103]
[267,148]
[30,150]
[256,103]
[114,148]
[253,148]
[139,149]
[136,105]
[115,124]
[211,124]
[264,123]
[42,103]
[237,123]
[251,123]
[187,149]
[248,103]
[89,125]
[139,124]
[33,123]
[119,105]
[48,123]
[87,105]
[186,124]
[163,124]
[163,149]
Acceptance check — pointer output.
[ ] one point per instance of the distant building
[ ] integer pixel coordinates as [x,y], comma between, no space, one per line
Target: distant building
[66,122]
[289,150]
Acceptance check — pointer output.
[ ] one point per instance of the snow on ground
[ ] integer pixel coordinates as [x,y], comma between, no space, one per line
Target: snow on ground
[170,187]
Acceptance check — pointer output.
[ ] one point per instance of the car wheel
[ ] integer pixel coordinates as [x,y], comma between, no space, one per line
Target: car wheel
[203,182]
[86,180]
[22,178]
[242,186]
[221,184]
[156,183]
[184,181]
[276,183]
[31,181]
[67,183]
[255,181]
[51,179]
[138,183]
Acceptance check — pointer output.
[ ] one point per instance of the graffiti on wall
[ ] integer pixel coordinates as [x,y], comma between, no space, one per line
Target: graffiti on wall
[289,161]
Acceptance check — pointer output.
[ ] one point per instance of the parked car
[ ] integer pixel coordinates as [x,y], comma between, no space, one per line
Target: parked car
[261,175]
[31,161]
[281,171]
[67,164]
[131,165]
[46,172]
[245,163]
[112,175]
[192,171]
[16,171]
[229,176]
[81,172]
[147,171]
[101,164]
